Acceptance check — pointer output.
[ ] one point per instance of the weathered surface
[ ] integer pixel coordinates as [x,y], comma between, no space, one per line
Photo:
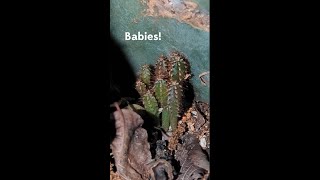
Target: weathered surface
[185,11]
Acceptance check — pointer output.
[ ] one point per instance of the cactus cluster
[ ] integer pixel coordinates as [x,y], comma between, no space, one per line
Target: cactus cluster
[163,87]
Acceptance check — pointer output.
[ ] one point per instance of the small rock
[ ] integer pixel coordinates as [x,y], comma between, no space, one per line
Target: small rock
[203,143]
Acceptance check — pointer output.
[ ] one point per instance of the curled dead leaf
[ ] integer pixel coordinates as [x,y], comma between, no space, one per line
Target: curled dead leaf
[126,122]
[193,161]
[131,149]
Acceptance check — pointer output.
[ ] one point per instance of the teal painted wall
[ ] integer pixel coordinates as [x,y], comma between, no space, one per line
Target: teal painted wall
[127,16]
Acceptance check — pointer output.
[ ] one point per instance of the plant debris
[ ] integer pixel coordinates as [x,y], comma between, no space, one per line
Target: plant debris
[193,161]
[194,121]
[114,175]
[162,136]
[181,129]
[131,149]
[201,77]
[126,122]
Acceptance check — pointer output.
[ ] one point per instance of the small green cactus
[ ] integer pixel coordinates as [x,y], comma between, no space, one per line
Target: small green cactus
[145,74]
[150,104]
[169,75]
[179,67]
[160,91]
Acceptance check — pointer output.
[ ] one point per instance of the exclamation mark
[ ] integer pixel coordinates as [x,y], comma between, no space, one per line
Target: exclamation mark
[159,35]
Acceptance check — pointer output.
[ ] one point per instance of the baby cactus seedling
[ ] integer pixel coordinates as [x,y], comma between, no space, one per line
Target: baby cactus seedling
[160,90]
[179,67]
[166,92]
[150,104]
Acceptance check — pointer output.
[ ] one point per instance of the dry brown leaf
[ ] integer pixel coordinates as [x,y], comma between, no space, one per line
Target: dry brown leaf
[126,122]
[160,169]
[193,161]
[131,149]
[139,154]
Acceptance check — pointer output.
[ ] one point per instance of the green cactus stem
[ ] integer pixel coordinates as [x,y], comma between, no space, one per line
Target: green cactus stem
[150,104]
[145,74]
[141,88]
[161,68]
[161,92]
[165,118]
[179,67]
[174,103]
